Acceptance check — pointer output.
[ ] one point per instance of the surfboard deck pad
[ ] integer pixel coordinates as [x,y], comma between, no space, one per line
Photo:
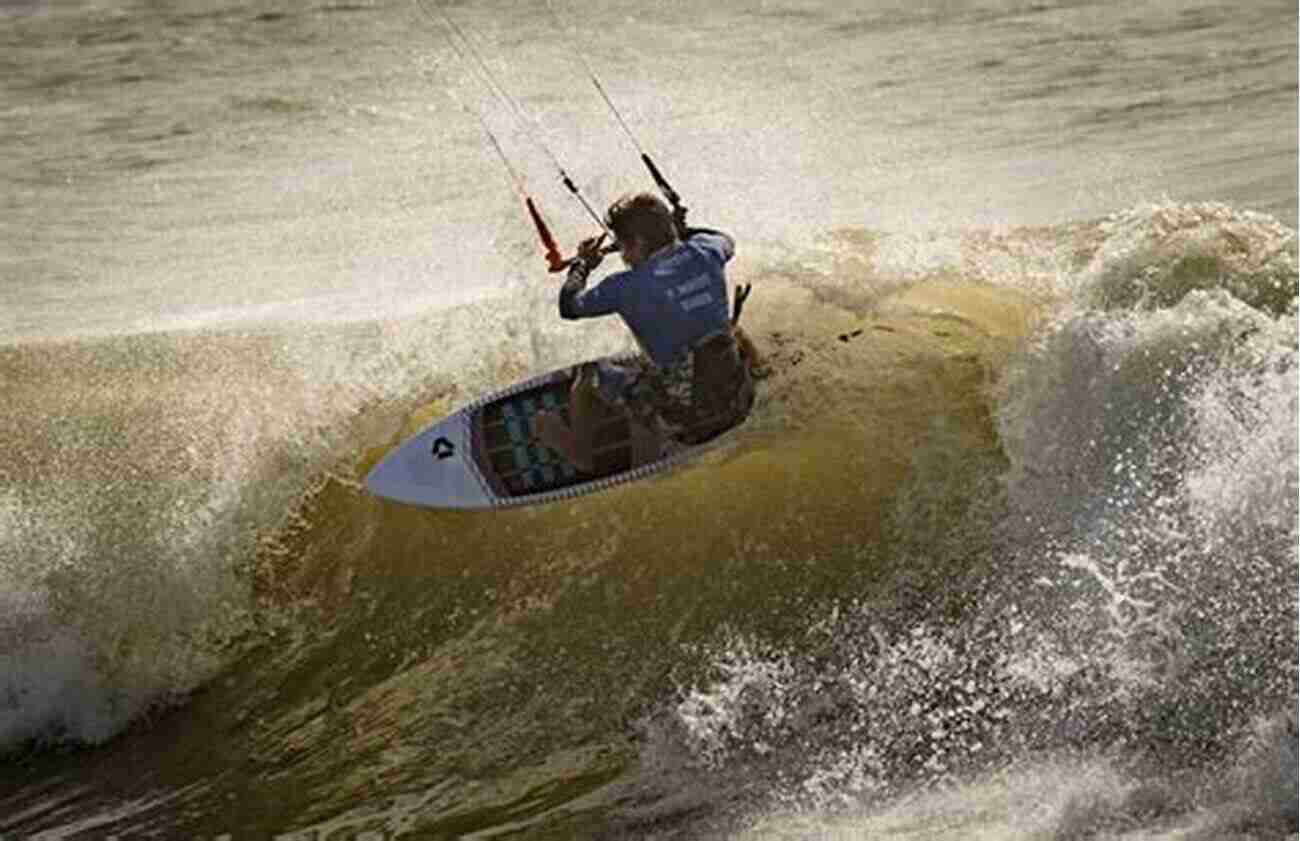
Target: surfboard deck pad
[485,455]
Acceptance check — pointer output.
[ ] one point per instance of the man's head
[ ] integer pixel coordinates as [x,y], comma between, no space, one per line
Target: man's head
[643,224]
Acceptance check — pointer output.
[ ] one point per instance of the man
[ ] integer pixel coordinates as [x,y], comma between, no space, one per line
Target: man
[692,380]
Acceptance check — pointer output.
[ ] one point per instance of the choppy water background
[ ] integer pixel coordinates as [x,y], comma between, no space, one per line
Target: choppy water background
[1008,549]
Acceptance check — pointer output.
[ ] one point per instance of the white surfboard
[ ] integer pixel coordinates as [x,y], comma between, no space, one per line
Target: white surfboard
[484,455]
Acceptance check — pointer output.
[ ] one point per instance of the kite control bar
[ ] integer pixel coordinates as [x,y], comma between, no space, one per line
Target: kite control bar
[555,262]
[464,47]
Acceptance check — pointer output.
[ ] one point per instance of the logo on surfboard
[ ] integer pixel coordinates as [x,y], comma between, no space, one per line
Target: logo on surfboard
[442,448]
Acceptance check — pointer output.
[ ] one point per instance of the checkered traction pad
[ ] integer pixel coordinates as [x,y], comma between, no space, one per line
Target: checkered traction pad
[520,464]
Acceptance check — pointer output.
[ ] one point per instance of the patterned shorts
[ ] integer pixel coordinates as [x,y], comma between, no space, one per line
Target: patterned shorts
[706,392]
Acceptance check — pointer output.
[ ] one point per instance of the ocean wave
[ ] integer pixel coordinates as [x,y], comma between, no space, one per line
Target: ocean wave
[992,501]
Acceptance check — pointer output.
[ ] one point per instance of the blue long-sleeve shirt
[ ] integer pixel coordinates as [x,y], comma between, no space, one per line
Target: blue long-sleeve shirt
[671,301]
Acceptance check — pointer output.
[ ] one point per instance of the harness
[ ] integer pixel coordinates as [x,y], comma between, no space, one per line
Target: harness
[722,387]
[738,306]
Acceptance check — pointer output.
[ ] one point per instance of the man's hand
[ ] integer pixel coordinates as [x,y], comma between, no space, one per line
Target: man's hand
[589,251]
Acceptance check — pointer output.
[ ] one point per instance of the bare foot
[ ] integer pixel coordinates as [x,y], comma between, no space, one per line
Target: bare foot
[556,434]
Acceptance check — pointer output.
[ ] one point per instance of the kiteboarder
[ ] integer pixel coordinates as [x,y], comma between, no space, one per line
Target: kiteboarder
[692,379]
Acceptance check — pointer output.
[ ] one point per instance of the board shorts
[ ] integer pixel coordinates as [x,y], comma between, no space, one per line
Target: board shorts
[708,391]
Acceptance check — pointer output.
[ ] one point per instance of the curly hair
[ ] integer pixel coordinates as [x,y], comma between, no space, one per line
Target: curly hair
[642,216]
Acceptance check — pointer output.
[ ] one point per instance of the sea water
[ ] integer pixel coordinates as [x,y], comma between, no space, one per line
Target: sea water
[1006,550]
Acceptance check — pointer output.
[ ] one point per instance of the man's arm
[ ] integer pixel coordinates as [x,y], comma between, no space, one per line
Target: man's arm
[575,300]
[573,286]
[716,242]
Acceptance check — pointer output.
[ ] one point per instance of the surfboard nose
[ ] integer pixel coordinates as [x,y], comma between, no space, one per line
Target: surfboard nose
[435,465]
